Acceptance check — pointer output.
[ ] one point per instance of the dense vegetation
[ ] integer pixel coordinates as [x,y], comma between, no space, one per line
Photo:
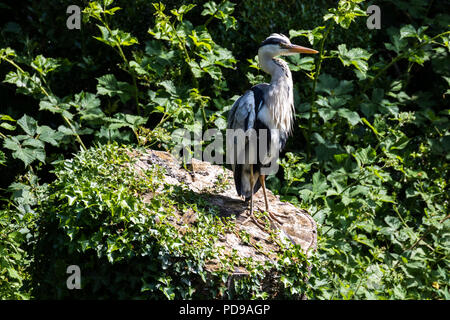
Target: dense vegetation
[368,160]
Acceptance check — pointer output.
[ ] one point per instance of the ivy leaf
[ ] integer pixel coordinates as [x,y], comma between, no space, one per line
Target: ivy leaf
[326,113]
[178,13]
[170,87]
[365,156]
[44,65]
[26,84]
[314,36]
[408,31]
[345,13]
[319,183]
[222,12]
[11,143]
[138,69]
[54,106]
[326,83]
[210,8]
[195,68]
[121,120]
[28,124]
[357,57]
[108,85]
[66,131]
[351,116]
[5,125]
[214,72]
[50,105]
[220,123]
[5,117]
[297,63]
[393,222]
[33,143]
[7,53]
[419,57]
[401,142]
[397,44]
[344,87]
[49,135]
[87,101]
[88,105]
[159,57]
[26,154]
[116,37]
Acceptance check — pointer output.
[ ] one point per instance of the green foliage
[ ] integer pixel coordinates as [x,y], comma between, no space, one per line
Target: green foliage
[221,11]
[30,146]
[345,13]
[369,157]
[15,229]
[93,216]
[374,183]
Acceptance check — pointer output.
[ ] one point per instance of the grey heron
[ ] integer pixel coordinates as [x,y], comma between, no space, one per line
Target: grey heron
[265,106]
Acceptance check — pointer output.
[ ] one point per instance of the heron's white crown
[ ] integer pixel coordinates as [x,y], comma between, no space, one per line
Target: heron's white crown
[272,46]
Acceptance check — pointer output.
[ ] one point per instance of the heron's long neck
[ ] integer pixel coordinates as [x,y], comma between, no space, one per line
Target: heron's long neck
[280,96]
[277,68]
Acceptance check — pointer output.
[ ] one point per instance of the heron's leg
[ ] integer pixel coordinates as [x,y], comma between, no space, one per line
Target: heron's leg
[251,215]
[262,179]
[251,188]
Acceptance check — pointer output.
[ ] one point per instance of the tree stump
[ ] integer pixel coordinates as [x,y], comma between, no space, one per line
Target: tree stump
[216,183]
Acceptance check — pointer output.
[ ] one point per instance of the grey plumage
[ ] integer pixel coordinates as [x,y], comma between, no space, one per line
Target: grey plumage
[265,106]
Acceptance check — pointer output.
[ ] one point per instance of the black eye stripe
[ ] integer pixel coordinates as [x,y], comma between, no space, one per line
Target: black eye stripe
[279,41]
[271,41]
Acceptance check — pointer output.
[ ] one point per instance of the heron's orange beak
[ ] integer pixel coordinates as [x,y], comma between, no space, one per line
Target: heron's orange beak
[299,49]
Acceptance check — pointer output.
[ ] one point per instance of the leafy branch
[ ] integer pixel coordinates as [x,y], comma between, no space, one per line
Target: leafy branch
[7,55]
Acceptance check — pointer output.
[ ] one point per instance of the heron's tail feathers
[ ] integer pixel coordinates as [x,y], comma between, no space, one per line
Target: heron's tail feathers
[242,180]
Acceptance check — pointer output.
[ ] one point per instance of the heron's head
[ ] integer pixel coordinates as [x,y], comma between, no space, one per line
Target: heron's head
[280,45]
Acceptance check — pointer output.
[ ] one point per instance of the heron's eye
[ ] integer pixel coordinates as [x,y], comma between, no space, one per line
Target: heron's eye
[283,45]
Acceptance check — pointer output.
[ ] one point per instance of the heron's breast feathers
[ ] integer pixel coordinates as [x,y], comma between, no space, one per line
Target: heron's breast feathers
[279,102]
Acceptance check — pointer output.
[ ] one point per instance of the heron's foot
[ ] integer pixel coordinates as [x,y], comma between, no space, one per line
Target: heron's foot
[272,220]
[274,216]
[251,216]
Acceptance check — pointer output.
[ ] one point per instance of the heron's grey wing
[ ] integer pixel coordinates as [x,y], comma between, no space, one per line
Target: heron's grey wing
[242,116]
[242,113]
